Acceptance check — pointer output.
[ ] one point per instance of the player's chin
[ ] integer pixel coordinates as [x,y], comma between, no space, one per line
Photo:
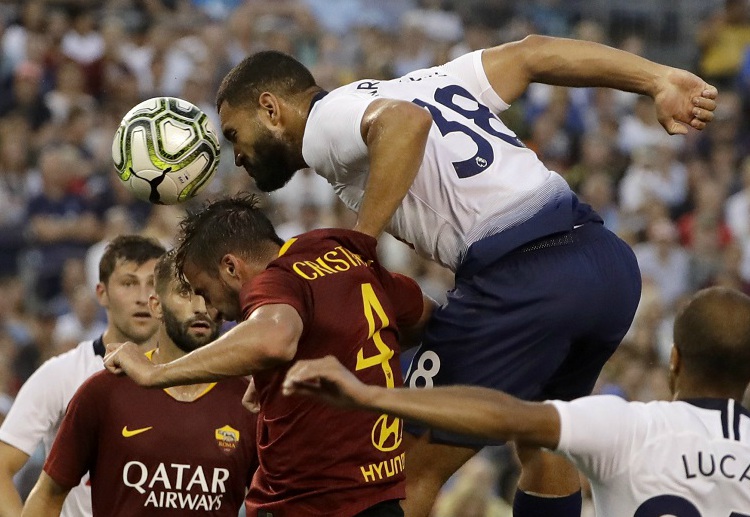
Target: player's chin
[202,332]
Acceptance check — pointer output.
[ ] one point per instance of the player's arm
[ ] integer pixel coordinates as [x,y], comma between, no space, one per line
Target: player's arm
[46,498]
[411,335]
[468,410]
[681,98]
[11,461]
[395,133]
[265,340]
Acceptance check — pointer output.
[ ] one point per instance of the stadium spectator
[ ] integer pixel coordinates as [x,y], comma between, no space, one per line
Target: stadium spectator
[61,222]
[126,278]
[641,459]
[663,261]
[722,41]
[200,450]
[737,207]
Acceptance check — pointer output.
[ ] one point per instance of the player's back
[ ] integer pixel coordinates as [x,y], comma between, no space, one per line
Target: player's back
[318,460]
[476,179]
[685,458]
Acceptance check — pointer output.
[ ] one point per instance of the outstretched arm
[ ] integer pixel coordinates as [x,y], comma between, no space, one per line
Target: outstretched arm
[266,339]
[462,409]
[395,133]
[681,97]
[46,498]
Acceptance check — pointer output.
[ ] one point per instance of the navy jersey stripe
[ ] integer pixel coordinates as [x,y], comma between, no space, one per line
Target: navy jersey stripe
[725,419]
[736,423]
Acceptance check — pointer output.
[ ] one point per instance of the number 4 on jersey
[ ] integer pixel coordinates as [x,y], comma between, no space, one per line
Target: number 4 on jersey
[372,308]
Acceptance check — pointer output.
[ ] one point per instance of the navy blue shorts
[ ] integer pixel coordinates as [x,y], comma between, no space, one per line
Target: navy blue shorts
[539,323]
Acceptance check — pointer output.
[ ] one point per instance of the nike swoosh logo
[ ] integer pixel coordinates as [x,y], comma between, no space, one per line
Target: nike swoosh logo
[127,434]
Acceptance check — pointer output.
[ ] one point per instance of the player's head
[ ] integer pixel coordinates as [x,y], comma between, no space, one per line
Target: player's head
[184,316]
[126,279]
[712,341]
[222,246]
[259,102]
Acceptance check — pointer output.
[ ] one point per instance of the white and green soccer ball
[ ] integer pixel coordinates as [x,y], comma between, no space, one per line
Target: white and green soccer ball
[166,150]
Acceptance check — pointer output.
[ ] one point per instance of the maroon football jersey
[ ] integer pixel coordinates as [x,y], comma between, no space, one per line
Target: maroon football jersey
[150,454]
[316,460]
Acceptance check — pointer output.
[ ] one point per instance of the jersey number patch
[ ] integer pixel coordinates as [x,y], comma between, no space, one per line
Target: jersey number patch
[479,114]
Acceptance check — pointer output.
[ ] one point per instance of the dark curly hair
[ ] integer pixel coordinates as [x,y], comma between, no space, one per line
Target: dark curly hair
[229,225]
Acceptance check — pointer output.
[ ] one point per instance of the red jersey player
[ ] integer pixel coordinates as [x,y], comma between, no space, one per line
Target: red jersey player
[322,293]
[188,450]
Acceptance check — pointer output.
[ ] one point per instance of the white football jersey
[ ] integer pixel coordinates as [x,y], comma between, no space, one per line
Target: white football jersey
[476,179]
[38,410]
[684,458]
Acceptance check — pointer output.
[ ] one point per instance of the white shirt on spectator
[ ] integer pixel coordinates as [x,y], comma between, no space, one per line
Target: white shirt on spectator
[684,458]
[83,48]
[40,406]
[737,213]
[669,274]
[642,185]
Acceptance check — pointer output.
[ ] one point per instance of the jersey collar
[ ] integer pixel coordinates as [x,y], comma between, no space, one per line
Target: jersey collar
[316,98]
[99,348]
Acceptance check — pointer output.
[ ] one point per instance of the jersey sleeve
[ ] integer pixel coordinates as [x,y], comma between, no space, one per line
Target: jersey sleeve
[470,71]
[37,408]
[75,444]
[406,297]
[277,286]
[598,434]
[334,140]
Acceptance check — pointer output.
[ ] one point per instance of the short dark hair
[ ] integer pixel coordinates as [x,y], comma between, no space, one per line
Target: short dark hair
[228,225]
[128,248]
[712,334]
[165,272]
[266,71]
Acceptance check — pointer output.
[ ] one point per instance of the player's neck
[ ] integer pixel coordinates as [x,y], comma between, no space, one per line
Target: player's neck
[694,390]
[165,352]
[112,335]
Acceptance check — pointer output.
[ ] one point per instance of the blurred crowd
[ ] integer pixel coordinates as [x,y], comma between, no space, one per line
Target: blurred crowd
[69,71]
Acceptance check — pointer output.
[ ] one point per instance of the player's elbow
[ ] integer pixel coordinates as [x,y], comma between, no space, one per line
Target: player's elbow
[279,348]
[419,119]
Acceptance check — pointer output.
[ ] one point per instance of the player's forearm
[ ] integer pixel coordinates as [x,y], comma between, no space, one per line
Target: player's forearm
[469,410]
[249,347]
[396,135]
[567,62]
[11,502]
[46,498]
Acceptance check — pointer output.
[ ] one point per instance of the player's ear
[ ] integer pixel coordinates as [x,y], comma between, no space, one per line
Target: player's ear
[154,306]
[675,364]
[229,268]
[675,360]
[270,108]
[101,295]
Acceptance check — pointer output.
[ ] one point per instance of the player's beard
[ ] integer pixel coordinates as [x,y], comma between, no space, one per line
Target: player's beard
[272,166]
[179,331]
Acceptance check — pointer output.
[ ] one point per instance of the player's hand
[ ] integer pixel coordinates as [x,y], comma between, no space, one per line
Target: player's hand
[683,99]
[128,359]
[327,379]
[250,398]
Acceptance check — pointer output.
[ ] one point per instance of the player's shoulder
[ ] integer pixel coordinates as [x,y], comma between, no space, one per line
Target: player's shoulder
[330,240]
[76,364]
[103,380]
[236,385]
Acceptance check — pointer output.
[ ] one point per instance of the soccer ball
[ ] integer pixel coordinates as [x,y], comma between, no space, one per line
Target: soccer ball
[166,150]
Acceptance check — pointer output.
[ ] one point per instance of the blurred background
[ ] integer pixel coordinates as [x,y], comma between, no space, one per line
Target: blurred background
[69,71]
